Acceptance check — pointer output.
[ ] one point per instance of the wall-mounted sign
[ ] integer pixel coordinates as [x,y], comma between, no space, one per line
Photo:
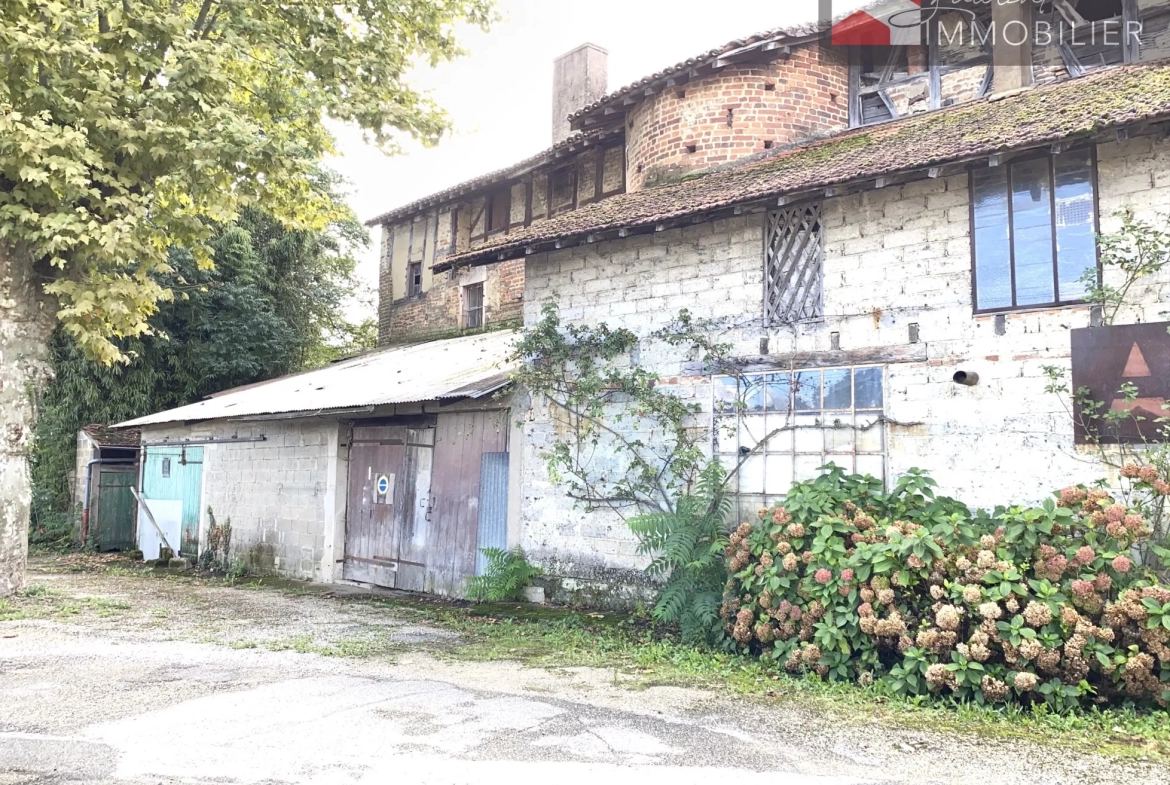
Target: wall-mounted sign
[384,489]
[1108,360]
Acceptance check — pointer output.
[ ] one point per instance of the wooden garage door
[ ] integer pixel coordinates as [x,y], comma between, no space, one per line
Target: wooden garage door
[461,439]
[389,503]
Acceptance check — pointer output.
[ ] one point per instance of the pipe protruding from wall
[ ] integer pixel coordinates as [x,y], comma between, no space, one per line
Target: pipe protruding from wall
[966,378]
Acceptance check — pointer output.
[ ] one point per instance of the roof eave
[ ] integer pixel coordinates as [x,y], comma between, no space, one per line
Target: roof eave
[872,181]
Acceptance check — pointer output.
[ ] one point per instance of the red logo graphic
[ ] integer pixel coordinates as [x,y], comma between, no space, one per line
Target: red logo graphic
[887,23]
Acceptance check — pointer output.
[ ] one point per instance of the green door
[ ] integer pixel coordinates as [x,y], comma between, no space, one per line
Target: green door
[177,473]
[113,513]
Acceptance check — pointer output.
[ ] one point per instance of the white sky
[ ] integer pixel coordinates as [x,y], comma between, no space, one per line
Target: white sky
[500,95]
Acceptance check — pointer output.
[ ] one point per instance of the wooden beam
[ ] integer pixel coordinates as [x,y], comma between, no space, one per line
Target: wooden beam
[907,353]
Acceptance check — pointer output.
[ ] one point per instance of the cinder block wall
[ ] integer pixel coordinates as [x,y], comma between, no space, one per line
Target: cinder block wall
[893,257]
[276,492]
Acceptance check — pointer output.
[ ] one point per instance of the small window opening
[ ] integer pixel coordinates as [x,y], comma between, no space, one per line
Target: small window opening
[473,306]
[767,144]
[769,85]
[414,278]
[681,94]
[730,117]
[499,210]
[166,467]
[691,148]
[1096,10]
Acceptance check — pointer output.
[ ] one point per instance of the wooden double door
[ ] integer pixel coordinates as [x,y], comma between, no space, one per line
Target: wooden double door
[412,518]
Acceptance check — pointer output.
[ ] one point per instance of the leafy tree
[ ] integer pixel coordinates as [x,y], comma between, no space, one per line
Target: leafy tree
[128,127]
[270,306]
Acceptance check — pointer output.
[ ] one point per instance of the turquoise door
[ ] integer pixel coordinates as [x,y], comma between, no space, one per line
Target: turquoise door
[176,473]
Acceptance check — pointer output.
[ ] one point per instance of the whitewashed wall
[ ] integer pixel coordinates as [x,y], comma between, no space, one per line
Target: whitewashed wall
[893,257]
[285,495]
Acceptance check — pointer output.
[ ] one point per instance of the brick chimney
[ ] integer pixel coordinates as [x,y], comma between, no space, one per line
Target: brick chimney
[1011,56]
[579,79]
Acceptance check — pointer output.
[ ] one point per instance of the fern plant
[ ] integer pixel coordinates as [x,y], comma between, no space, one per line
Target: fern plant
[508,574]
[687,548]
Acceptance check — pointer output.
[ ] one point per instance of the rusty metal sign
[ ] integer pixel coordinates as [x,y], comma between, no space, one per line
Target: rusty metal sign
[1108,360]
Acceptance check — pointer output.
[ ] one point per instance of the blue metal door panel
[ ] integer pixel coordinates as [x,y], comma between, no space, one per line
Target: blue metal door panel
[177,473]
[493,507]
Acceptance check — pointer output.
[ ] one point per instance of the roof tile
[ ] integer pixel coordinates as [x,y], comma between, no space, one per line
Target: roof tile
[1103,99]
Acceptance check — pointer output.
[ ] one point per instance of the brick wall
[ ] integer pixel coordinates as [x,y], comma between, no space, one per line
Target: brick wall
[281,494]
[438,311]
[893,257]
[774,103]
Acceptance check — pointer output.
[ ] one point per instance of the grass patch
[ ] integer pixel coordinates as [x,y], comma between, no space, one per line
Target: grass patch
[643,656]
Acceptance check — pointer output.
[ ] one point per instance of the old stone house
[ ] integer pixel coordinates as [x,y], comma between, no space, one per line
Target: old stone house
[867,226]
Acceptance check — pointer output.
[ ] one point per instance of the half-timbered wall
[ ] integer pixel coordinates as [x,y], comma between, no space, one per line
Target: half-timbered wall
[438,309]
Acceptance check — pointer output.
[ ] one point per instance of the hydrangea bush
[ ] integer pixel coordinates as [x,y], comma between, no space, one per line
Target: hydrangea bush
[923,595]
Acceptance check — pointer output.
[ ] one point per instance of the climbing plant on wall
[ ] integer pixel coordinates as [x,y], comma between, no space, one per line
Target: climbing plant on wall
[625,441]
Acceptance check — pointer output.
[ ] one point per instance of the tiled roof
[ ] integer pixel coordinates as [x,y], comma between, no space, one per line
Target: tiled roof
[105,436]
[476,183]
[1103,99]
[791,32]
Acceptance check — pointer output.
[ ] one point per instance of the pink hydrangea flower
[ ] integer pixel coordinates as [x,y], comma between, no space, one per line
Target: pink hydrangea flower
[847,574]
[823,576]
[1122,564]
[1085,555]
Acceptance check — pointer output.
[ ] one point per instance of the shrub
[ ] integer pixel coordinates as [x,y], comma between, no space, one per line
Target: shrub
[687,548]
[507,575]
[924,596]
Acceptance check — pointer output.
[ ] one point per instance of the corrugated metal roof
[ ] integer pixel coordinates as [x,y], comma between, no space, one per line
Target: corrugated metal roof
[472,366]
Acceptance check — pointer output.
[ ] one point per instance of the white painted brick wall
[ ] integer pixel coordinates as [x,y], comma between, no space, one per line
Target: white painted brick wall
[893,257]
[274,491]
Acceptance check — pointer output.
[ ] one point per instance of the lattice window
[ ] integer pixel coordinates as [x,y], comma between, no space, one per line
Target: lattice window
[793,265]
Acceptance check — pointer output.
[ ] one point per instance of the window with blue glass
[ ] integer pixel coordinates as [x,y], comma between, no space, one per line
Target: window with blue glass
[1034,228]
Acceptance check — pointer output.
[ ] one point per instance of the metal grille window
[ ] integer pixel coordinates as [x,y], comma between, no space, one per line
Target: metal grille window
[793,265]
[819,416]
[1033,226]
[473,306]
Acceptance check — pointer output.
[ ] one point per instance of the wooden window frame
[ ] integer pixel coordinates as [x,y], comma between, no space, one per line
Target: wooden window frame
[1057,303]
[468,310]
[413,289]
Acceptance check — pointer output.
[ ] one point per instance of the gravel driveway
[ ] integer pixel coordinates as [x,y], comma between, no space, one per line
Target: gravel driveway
[129,679]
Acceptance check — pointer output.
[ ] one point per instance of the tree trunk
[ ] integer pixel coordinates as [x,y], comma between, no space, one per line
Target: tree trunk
[27,318]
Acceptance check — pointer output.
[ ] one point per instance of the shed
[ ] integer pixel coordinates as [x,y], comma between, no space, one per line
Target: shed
[390,468]
[105,472]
